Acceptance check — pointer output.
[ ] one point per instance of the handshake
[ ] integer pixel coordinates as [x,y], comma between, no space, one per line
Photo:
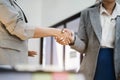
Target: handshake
[62,36]
[65,37]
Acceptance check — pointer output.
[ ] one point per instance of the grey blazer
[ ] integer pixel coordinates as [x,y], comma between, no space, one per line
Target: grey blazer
[88,42]
[14,32]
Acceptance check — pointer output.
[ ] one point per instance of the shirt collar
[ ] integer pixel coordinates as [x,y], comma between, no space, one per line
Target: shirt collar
[102,10]
[116,11]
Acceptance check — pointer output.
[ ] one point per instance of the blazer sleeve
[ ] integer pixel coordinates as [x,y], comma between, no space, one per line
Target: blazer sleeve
[81,37]
[13,21]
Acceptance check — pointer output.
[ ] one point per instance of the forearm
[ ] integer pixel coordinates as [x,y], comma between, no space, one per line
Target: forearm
[45,32]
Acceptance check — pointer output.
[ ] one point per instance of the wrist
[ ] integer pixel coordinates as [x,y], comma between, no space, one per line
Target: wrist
[55,32]
[73,40]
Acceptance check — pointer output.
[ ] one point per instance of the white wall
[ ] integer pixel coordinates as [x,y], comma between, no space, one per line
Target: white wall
[32,9]
[54,11]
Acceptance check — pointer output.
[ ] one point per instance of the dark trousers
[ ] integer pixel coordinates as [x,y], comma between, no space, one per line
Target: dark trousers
[105,65]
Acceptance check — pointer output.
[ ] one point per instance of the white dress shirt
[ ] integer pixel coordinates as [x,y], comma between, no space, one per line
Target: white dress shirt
[108,26]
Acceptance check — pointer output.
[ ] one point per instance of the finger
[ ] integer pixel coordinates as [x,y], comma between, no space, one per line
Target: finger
[66,39]
[60,39]
[63,38]
[70,33]
[32,53]
[63,42]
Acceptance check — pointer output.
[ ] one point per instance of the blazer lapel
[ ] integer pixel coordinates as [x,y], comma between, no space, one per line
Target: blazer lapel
[95,21]
[25,18]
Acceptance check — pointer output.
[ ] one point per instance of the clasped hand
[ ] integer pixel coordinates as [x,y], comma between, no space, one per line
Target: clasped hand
[65,37]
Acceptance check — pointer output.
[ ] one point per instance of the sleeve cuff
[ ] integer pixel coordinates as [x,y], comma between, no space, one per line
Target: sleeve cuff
[74,38]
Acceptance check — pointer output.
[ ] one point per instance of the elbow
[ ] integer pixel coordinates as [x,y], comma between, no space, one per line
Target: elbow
[18,35]
[22,33]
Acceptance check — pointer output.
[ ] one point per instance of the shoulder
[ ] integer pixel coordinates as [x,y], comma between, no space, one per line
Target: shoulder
[91,8]
[5,2]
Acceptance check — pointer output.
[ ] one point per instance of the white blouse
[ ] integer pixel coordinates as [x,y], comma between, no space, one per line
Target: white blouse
[108,26]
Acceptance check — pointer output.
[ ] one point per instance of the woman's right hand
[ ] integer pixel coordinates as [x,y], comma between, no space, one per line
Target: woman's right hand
[65,37]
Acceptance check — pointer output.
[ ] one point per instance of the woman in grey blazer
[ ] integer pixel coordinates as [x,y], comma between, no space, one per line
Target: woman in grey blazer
[99,39]
[15,31]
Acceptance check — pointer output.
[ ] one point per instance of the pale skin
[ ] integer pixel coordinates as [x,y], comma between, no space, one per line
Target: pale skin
[64,41]
[32,53]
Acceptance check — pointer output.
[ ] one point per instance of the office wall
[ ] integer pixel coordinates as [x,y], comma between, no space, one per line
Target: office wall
[32,9]
[54,11]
